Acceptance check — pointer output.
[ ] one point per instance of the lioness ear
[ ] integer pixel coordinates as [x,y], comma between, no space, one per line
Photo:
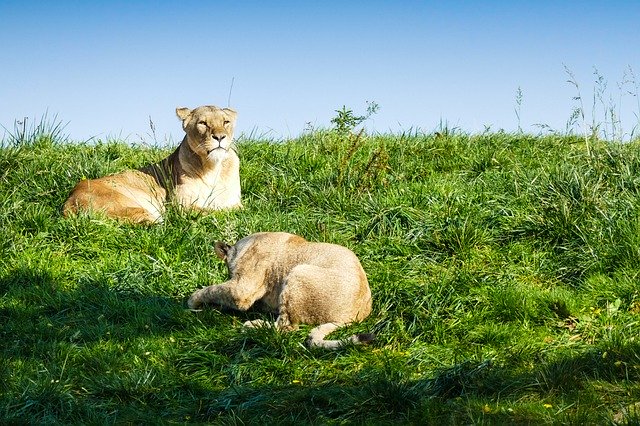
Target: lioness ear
[231,113]
[222,249]
[183,113]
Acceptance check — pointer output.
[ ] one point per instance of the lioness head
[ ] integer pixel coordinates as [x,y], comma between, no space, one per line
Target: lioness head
[209,129]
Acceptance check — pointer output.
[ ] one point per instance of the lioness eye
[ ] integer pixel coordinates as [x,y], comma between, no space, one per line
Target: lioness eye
[226,122]
[202,123]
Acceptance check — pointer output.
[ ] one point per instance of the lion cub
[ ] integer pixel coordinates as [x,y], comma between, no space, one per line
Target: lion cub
[202,173]
[304,282]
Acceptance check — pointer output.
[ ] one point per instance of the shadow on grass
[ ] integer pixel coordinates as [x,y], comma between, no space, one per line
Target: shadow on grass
[448,396]
[36,312]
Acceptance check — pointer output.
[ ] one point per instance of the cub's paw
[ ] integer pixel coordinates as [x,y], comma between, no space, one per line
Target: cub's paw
[256,324]
[194,302]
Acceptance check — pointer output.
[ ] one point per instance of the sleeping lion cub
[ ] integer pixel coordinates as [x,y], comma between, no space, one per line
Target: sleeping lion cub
[202,173]
[314,283]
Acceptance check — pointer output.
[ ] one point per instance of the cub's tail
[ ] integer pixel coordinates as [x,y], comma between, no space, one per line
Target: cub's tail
[317,335]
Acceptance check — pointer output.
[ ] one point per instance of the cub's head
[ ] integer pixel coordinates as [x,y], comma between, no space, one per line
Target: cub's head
[209,129]
[230,255]
[242,257]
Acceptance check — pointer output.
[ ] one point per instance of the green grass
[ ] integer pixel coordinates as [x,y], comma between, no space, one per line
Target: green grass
[505,270]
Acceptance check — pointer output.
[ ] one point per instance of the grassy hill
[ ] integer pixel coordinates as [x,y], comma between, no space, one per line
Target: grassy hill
[505,270]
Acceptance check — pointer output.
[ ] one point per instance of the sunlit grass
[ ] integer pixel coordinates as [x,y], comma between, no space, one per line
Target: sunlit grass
[505,270]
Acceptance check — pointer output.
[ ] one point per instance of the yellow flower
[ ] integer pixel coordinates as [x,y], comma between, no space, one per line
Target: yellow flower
[486,408]
[547,406]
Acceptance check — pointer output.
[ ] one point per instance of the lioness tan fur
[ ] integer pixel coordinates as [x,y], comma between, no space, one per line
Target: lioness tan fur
[202,173]
[304,282]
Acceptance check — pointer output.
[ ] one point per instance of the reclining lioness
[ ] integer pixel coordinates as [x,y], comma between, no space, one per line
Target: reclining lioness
[314,283]
[202,173]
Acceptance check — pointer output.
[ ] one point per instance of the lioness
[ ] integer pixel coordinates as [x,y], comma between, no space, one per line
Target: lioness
[202,173]
[304,282]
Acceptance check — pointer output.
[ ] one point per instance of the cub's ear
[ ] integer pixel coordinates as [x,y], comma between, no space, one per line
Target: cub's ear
[222,249]
[183,113]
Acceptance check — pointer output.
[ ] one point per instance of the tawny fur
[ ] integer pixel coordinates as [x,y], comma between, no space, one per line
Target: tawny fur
[304,282]
[202,173]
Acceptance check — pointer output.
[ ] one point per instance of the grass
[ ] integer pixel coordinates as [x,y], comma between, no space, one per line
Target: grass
[505,270]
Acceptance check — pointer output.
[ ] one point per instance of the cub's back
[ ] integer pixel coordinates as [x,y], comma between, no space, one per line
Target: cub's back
[328,255]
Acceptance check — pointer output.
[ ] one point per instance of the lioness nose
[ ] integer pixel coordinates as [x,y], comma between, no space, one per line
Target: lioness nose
[219,137]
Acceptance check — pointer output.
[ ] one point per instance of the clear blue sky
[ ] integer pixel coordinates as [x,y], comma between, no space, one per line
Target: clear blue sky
[106,67]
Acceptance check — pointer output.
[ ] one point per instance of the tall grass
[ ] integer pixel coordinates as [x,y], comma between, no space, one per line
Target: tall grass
[606,108]
[504,268]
